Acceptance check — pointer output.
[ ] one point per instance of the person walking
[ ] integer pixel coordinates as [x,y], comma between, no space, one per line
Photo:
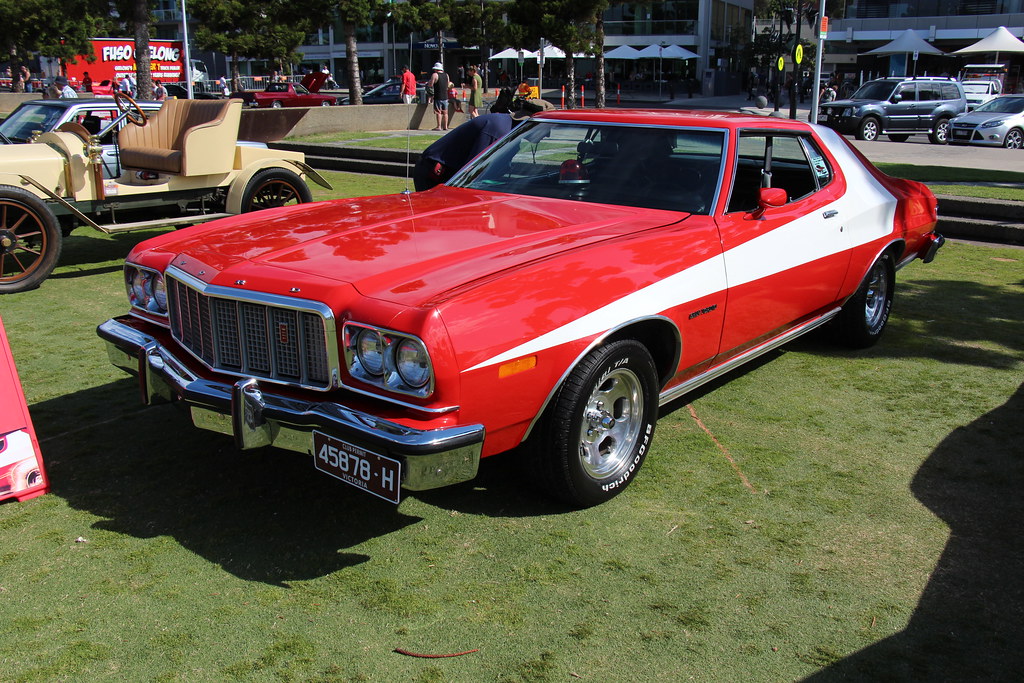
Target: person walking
[408,86]
[437,90]
[476,97]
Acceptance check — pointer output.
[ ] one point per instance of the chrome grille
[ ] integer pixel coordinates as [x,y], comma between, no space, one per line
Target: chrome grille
[251,338]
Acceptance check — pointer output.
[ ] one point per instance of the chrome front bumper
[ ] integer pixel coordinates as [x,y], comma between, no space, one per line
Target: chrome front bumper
[256,418]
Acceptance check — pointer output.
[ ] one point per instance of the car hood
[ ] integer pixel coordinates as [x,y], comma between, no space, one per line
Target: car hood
[409,249]
[314,81]
[976,118]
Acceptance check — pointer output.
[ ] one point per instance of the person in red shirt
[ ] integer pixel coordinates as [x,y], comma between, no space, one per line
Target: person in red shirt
[408,86]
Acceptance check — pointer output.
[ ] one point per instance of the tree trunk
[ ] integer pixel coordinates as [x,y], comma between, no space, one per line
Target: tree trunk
[570,80]
[143,76]
[599,42]
[355,85]
[236,78]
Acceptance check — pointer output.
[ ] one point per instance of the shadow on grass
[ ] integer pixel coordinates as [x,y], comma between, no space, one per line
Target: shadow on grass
[262,516]
[86,246]
[967,625]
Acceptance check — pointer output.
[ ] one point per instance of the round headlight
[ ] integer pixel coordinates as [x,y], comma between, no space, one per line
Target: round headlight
[370,351]
[140,288]
[412,363]
[160,294]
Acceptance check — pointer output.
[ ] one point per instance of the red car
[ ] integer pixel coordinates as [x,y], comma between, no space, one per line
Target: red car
[21,466]
[277,95]
[586,268]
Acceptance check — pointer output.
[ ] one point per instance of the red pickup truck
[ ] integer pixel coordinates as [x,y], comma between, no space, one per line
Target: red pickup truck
[277,95]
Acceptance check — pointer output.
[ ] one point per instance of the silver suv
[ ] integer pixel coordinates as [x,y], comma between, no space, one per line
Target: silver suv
[897,107]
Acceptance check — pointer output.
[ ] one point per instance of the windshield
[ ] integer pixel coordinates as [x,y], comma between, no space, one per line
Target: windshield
[28,118]
[676,169]
[1003,105]
[875,90]
[982,88]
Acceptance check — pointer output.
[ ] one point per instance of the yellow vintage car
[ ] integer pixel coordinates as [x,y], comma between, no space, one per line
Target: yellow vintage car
[183,165]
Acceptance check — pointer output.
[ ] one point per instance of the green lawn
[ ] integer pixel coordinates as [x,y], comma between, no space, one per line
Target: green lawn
[163,554]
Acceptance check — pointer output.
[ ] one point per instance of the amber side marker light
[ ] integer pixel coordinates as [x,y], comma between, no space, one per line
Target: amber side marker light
[514,367]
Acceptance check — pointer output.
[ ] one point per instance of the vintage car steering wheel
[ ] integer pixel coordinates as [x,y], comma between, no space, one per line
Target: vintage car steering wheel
[130,108]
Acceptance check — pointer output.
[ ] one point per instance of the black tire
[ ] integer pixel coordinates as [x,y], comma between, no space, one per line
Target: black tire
[598,429]
[30,240]
[1014,139]
[274,187]
[869,129]
[276,104]
[940,132]
[899,137]
[864,316]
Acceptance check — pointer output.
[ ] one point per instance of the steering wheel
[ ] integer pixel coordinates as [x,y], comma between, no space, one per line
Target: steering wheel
[130,108]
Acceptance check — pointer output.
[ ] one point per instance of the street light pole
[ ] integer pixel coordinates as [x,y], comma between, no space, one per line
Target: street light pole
[188,55]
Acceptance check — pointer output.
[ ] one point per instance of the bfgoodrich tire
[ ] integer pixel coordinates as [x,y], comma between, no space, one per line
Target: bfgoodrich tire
[599,427]
[865,315]
[30,240]
[274,187]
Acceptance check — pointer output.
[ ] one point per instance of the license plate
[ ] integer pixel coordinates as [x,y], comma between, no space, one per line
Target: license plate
[371,472]
[961,134]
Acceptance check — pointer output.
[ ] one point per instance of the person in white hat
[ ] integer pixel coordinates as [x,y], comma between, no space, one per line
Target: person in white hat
[437,92]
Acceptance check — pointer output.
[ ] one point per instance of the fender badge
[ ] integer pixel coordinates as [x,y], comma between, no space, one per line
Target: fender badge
[702,311]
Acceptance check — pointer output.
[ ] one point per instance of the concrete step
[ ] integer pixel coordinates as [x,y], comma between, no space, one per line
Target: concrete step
[990,209]
[986,230]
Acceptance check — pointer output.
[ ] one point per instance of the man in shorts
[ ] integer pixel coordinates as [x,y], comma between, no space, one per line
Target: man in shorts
[437,91]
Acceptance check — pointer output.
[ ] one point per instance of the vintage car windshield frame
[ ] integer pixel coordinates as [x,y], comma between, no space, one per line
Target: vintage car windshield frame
[622,174]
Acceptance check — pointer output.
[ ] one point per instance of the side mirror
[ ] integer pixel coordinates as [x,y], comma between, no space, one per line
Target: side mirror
[896,99]
[769,198]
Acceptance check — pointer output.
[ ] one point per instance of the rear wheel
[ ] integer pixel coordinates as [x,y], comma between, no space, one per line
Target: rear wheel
[274,187]
[864,316]
[1014,139]
[940,133]
[899,137]
[276,104]
[30,240]
[868,129]
[599,427]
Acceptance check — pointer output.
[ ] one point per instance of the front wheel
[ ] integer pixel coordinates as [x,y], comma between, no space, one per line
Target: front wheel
[276,104]
[30,240]
[868,129]
[864,316]
[600,425]
[940,133]
[274,187]
[1014,139]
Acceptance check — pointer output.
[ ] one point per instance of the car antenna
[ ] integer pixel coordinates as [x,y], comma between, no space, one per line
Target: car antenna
[408,156]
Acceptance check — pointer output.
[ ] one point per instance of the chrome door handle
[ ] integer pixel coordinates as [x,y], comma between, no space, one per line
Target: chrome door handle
[829,213]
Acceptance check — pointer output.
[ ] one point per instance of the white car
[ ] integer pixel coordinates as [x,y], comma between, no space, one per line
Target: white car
[980,92]
[997,123]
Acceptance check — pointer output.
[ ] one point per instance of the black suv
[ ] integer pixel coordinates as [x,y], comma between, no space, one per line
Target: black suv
[898,107]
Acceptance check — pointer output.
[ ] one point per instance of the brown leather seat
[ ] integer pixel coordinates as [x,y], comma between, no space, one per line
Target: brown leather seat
[186,137]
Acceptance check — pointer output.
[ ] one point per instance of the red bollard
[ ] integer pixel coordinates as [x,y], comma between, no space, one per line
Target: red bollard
[563,97]
[583,99]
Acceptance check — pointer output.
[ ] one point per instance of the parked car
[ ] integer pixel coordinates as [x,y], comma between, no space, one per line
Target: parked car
[585,269]
[980,92]
[389,92]
[277,95]
[182,167]
[22,475]
[897,107]
[40,116]
[997,123]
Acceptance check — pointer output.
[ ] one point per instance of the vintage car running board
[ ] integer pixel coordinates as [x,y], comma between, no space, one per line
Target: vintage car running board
[111,228]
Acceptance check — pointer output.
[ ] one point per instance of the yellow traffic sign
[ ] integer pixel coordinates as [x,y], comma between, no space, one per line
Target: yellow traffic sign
[782,64]
[798,53]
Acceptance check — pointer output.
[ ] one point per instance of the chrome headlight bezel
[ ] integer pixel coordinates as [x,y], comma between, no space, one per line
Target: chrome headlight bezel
[146,289]
[410,373]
